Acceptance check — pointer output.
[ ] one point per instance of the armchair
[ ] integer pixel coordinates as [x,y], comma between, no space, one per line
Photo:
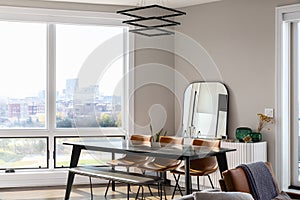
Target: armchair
[236,180]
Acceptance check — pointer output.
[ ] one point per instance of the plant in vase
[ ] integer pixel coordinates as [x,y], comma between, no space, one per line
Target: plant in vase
[155,137]
[263,122]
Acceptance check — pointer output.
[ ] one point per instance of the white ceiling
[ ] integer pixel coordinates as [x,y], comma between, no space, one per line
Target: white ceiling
[168,3]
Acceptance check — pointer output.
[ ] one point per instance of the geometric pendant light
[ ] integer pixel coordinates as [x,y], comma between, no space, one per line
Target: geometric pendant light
[151,20]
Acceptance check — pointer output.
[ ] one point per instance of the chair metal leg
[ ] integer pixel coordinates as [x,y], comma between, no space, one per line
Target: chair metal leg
[91,188]
[176,185]
[138,192]
[179,187]
[160,190]
[128,190]
[128,172]
[164,187]
[107,188]
[144,172]
[198,183]
[212,185]
[150,190]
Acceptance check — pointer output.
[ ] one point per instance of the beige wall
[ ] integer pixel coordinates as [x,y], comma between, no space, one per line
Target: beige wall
[154,84]
[239,35]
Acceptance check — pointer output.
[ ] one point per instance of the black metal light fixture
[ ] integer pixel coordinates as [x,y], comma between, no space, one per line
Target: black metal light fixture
[151,19]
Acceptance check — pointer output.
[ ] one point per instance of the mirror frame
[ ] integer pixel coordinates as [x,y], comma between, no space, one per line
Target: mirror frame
[226,106]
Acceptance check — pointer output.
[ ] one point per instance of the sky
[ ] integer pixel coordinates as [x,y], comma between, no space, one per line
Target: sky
[23,50]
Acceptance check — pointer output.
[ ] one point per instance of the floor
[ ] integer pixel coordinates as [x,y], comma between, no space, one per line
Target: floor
[78,193]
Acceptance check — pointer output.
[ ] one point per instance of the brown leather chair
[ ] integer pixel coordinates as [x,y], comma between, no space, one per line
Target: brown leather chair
[199,167]
[131,160]
[163,164]
[236,180]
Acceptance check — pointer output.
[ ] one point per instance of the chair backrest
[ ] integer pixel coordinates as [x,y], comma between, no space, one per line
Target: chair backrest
[209,164]
[166,162]
[144,138]
[171,140]
[236,180]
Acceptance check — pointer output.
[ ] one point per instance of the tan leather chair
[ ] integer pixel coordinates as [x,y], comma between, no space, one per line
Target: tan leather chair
[131,160]
[199,167]
[236,180]
[163,164]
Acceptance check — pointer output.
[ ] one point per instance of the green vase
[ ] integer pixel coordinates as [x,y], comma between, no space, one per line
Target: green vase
[256,137]
[242,132]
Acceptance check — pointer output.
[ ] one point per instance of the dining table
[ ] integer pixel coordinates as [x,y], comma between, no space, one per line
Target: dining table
[185,152]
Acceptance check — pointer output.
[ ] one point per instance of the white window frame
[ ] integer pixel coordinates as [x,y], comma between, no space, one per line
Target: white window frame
[68,17]
[286,66]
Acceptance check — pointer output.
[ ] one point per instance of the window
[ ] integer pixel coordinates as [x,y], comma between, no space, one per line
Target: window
[63,152]
[94,104]
[23,152]
[23,75]
[58,76]
[288,97]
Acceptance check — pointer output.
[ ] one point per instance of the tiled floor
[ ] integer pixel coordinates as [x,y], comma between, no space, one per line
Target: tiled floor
[78,193]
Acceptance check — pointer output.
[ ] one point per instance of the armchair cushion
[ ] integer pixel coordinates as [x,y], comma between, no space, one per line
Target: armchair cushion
[217,196]
[222,196]
[282,196]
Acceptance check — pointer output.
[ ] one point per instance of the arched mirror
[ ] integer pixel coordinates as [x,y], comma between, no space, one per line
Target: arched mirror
[205,110]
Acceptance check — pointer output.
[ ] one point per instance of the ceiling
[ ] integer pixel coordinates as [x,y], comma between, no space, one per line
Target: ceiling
[168,3]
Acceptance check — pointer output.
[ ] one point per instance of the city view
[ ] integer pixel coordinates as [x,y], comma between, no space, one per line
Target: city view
[75,107]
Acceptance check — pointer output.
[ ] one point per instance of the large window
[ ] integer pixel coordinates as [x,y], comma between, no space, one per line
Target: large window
[95,104]
[23,67]
[61,76]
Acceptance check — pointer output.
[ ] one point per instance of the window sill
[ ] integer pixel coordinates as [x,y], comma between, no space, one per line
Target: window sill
[33,178]
[293,193]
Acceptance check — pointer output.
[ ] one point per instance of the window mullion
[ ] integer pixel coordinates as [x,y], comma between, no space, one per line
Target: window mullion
[51,90]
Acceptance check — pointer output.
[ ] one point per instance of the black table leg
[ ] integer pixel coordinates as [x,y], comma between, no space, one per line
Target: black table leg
[222,162]
[187,176]
[73,163]
[113,183]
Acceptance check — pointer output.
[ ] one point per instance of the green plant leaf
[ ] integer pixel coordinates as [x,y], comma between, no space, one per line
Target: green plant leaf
[165,133]
[151,130]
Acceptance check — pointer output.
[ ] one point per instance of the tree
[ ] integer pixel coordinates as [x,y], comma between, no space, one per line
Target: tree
[106,121]
[63,123]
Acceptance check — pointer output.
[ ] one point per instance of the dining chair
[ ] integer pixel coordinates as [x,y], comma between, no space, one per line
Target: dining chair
[128,160]
[163,164]
[198,167]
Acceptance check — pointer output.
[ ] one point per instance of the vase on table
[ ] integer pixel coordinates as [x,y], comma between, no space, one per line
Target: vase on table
[256,137]
[242,133]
